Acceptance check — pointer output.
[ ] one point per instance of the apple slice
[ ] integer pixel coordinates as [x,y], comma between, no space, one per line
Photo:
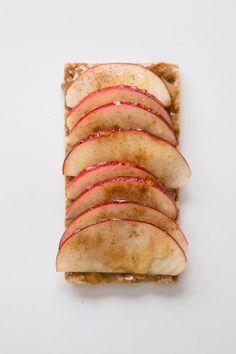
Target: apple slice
[102,172]
[103,75]
[121,115]
[124,188]
[120,93]
[160,158]
[126,210]
[121,246]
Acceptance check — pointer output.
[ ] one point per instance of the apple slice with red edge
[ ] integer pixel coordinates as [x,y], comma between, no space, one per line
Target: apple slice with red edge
[121,246]
[157,156]
[121,116]
[120,93]
[128,210]
[102,172]
[111,74]
[124,188]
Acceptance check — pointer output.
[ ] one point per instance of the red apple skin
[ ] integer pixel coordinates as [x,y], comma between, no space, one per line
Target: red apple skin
[107,170]
[121,93]
[120,115]
[138,211]
[166,99]
[120,189]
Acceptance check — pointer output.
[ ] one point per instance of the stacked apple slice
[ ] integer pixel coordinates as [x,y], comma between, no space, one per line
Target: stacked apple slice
[123,169]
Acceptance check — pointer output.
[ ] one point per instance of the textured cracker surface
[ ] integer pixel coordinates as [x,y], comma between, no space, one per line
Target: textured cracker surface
[169,73]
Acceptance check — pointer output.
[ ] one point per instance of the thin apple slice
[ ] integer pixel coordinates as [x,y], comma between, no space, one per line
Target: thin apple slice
[120,93]
[121,116]
[124,188]
[157,156]
[103,75]
[121,246]
[126,210]
[102,172]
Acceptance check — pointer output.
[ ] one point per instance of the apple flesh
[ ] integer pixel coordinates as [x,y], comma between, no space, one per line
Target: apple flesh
[121,246]
[102,172]
[120,93]
[126,210]
[111,74]
[121,116]
[157,156]
[124,188]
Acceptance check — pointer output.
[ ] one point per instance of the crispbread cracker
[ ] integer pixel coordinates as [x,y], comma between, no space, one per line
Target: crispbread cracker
[169,73]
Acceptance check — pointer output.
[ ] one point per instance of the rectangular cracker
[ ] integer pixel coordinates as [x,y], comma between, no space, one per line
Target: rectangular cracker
[169,73]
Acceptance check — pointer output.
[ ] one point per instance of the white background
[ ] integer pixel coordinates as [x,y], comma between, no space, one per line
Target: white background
[39,312]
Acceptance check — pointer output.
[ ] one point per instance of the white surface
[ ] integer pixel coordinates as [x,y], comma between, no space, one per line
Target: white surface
[39,312]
